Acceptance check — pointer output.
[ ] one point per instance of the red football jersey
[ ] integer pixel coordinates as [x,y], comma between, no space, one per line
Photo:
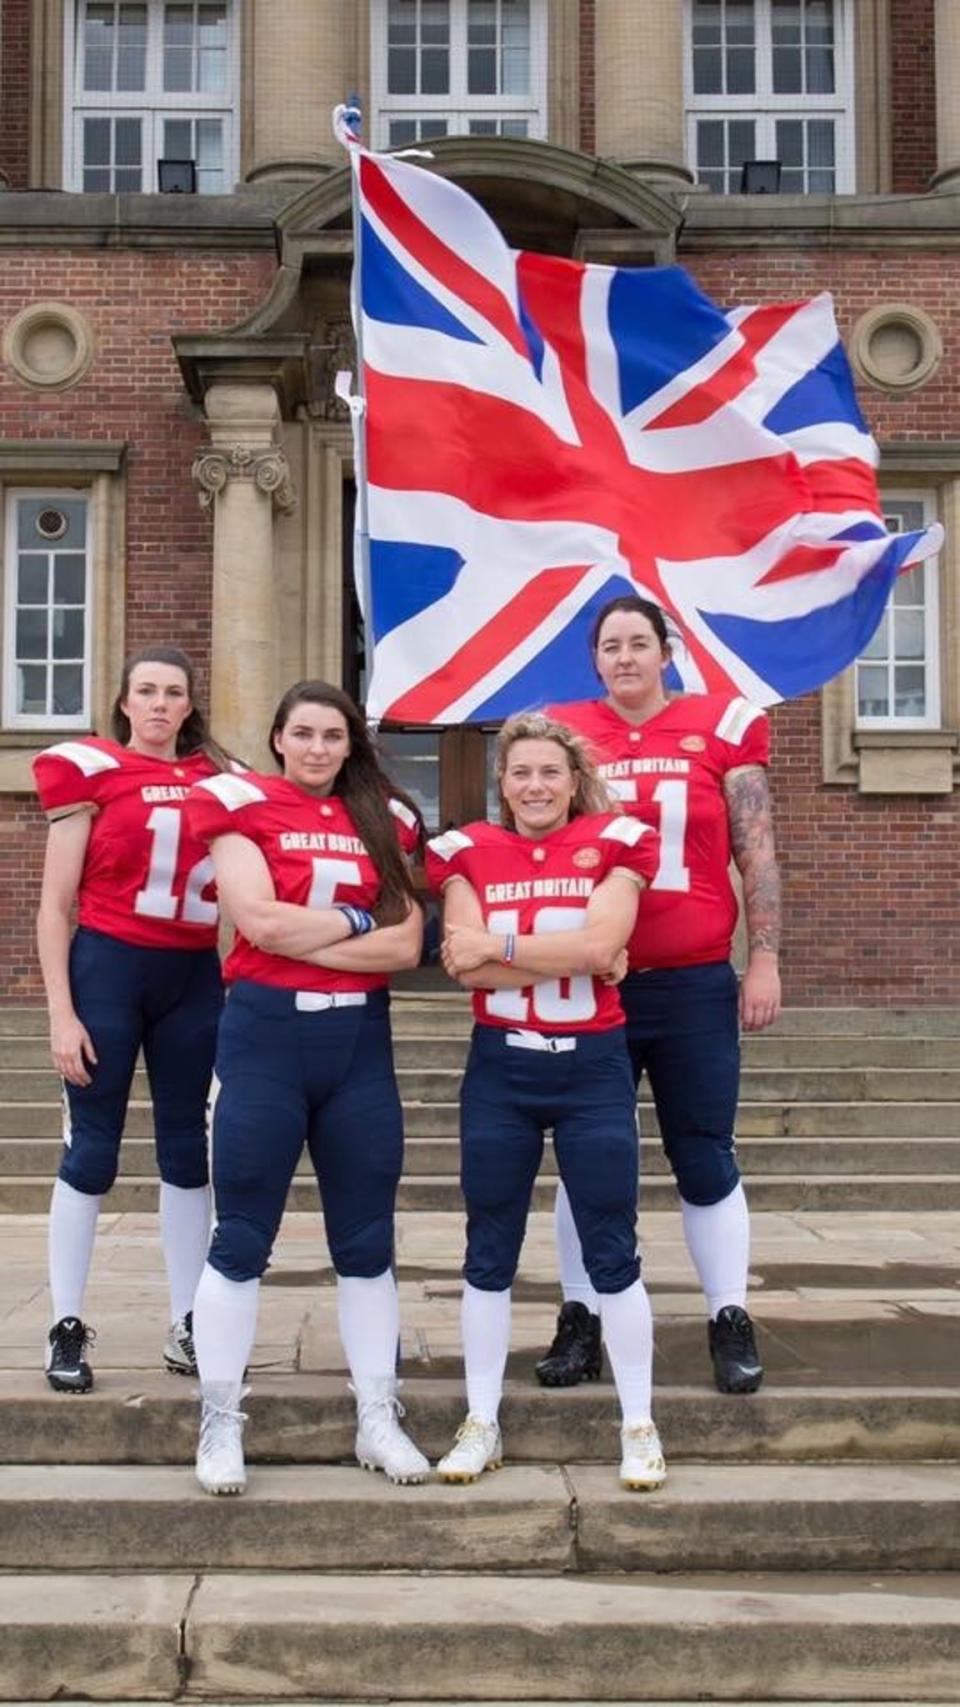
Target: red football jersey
[526,885]
[146,879]
[670,771]
[315,858]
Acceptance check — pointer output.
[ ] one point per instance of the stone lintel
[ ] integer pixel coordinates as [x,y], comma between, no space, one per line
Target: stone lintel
[62,457]
[834,222]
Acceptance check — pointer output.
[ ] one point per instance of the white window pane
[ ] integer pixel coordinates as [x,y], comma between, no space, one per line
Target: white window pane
[69,578]
[32,690]
[435,71]
[909,587]
[402,132]
[132,48]
[212,53]
[790,142]
[402,71]
[96,142]
[483,127]
[710,143]
[98,44]
[515,127]
[909,634]
[127,180]
[210,145]
[741,72]
[482,71]
[127,142]
[877,648]
[434,22]
[177,139]
[482,23]
[910,696]
[432,128]
[873,698]
[32,631]
[67,690]
[32,579]
[68,633]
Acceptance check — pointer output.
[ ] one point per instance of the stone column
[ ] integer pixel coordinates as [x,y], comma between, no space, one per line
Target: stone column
[297,69]
[639,81]
[244,476]
[947,62]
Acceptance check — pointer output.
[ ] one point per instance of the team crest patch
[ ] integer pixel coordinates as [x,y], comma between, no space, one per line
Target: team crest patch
[692,744]
[586,858]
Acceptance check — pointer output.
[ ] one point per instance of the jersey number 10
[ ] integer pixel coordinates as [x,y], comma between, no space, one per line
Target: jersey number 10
[550,1001]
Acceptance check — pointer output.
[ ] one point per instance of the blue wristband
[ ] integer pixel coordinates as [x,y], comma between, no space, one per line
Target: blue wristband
[359,920]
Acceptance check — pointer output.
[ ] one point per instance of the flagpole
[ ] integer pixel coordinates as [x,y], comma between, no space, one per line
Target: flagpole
[346,127]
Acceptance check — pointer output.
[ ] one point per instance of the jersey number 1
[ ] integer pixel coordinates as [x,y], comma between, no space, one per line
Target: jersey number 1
[671,797]
[156,900]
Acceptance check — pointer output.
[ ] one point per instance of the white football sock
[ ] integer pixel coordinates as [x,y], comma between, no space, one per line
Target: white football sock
[368,1311]
[71,1233]
[718,1239]
[185,1232]
[485,1323]
[224,1326]
[574,1278]
[628,1337]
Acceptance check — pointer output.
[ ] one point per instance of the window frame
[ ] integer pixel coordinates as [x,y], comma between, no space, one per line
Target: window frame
[764,108]
[151,105]
[12,495]
[932,718]
[457,105]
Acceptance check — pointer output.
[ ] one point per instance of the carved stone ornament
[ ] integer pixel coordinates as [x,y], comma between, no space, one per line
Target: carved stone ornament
[332,347]
[266,466]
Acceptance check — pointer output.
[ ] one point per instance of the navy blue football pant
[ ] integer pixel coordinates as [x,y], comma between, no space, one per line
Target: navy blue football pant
[683,1032]
[289,1076]
[166,1001]
[510,1096]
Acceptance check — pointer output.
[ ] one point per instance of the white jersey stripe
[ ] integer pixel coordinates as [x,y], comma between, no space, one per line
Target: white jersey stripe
[449,844]
[403,812]
[89,760]
[627,830]
[736,720]
[233,791]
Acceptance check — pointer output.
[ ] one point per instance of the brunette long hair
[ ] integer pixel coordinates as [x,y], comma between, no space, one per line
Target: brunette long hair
[365,789]
[193,736]
[591,793]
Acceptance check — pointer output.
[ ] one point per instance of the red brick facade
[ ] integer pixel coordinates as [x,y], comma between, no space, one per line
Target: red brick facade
[913,95]
[15,91]
[133,392]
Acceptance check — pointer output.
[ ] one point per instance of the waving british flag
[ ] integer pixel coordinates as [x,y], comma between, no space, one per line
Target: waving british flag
[540,434]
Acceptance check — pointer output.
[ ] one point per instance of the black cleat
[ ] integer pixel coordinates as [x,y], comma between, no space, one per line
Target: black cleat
[67,1369]
[575,1354]
[733,1348]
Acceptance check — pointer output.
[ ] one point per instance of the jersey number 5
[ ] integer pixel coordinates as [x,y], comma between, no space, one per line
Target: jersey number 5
[551,1003]
[156,900]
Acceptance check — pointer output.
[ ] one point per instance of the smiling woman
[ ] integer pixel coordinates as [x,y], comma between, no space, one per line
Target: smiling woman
[536,916]
[141,971]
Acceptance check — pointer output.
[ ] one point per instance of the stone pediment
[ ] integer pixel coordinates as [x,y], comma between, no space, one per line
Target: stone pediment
[542,197]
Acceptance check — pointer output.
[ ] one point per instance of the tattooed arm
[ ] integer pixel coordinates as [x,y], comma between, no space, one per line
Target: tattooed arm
[751,834]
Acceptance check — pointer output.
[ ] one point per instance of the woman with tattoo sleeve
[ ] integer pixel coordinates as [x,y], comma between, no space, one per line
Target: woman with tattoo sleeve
[693,766]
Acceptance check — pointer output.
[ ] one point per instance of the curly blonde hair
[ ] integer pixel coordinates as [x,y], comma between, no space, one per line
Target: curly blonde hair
[590,794]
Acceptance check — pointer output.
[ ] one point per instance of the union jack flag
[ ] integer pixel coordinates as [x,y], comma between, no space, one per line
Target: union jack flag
[539,435]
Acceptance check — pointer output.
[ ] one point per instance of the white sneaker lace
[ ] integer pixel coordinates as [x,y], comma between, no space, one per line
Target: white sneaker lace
[220,1425]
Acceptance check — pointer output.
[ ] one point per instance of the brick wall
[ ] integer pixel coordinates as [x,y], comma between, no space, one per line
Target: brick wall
[133,392]
[913,95]
[588,82]
[15,91]
[872,911]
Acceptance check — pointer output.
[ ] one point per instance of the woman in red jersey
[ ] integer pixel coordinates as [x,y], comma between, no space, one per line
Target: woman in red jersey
[693,765]
[141,971]
[536,914]
[311,868]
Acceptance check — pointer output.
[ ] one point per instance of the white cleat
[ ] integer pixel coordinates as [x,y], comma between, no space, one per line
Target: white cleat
[178,1353]
[642,1465]
[381,1443]
[477,1448]
[220,1466]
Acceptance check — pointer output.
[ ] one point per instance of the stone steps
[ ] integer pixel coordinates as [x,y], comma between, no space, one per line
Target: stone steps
[447,1050]
[438,1156]
[29,1194]
[253,1636]
[564,1517]
[150,1418]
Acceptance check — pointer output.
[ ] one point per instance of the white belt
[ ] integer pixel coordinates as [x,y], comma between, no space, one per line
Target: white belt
[316,1001]
[536,1040]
